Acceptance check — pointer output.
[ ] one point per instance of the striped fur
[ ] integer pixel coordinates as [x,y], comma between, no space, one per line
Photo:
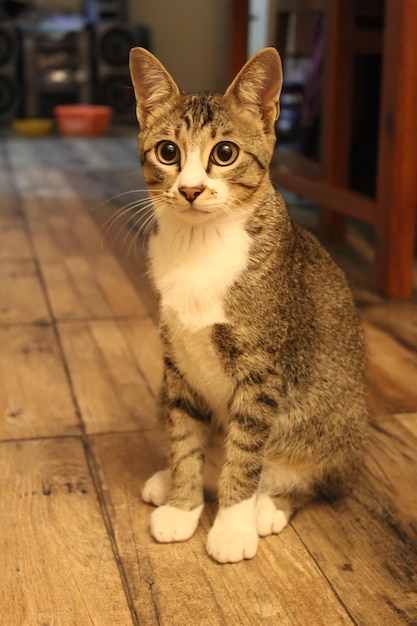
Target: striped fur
[264,354]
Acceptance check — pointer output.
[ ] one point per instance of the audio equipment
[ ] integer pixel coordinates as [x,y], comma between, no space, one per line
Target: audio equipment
[9,87]
[113,87]
[57,70]
[111,9]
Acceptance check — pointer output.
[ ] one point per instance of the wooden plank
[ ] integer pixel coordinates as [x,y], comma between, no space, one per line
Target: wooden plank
[409,421]
[179,584]
[95,286]
[57,561]
[396,318]
[82,278]
[14,241]
[65,234]
[397,180]
[145,345]
[21,153]
[10,206]
[22,298]
[111,389]
[61,226]
[391,370]
[35,398]
[37,182]
[366,544]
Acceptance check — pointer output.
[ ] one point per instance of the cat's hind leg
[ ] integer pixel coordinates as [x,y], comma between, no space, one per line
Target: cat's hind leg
[168,523]
[282,491]
[272,515]
[157,488]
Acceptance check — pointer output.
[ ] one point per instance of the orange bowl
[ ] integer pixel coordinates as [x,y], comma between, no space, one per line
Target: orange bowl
[82,120]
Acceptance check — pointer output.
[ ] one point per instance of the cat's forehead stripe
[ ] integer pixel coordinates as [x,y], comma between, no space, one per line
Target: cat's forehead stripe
[198,110]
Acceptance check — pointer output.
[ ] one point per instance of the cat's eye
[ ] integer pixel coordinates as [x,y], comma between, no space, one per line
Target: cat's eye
[225,153]
[168,152]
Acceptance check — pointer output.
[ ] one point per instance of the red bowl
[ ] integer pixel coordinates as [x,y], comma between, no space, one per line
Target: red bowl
[82,120]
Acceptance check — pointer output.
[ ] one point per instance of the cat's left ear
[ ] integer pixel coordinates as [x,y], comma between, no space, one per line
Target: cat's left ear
[257,87]
[153,85]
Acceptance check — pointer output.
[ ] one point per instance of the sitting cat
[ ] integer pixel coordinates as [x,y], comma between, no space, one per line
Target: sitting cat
[263,351]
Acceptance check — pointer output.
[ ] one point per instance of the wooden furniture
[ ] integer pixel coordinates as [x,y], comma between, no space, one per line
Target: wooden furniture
[392,211]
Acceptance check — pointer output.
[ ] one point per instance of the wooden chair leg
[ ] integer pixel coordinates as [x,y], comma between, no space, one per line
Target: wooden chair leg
[337,97]
[238,33]
[332,225]
[397,167]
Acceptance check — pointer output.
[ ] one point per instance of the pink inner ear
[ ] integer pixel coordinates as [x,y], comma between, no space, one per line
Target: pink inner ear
[152,83]
[258,85]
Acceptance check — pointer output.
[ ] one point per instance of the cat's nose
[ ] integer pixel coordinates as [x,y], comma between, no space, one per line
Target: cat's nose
[191,193]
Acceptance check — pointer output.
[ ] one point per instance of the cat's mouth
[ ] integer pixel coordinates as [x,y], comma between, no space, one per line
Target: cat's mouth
[193,211]
[193,215]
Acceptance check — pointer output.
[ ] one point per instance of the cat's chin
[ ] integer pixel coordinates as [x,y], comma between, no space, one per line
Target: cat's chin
[194,216]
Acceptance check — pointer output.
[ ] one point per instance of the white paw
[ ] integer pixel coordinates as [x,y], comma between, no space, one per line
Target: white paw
[170,524]
[269,519]
[232,546]
[156,489]
[233,536]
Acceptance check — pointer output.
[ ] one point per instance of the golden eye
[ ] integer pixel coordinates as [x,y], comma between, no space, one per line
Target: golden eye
[167,152]
[225,153]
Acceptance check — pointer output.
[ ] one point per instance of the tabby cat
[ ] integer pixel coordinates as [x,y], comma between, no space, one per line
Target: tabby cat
[263,389]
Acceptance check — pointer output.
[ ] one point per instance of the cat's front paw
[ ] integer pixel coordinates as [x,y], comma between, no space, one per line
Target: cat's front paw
[270,520]
[156,489]
[169,524]
[232,546]
[233,536]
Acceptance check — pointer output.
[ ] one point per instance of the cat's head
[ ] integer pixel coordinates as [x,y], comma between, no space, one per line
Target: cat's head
[205,155]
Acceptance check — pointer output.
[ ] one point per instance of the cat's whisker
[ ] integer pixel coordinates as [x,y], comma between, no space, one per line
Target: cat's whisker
[134,242]
[142,224]
[119,195]
[131,172]
[143,230]
[104,228]
[114,218]
[229,207]
[152,219]
[117,214]
[136,220]
[138,206]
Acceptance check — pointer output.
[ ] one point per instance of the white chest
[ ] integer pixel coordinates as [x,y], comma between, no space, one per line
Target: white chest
[193,267]
[197,359]
[192,272]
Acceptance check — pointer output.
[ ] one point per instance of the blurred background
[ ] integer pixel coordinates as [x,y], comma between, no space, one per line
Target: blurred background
[347,129]
[76,51]
[61,52]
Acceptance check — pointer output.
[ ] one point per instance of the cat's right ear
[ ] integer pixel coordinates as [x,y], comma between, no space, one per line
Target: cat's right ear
[257,87]
[153,85]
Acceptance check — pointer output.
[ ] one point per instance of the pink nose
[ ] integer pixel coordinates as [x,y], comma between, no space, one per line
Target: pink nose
[191,193]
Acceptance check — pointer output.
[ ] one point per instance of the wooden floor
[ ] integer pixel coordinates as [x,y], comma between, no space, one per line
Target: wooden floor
[80,368]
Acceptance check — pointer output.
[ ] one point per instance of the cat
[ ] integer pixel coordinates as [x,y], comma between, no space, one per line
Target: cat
[263,351]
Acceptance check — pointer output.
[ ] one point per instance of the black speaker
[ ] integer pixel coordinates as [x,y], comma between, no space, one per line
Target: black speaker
[111,9]
[9,87]
[113,87]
